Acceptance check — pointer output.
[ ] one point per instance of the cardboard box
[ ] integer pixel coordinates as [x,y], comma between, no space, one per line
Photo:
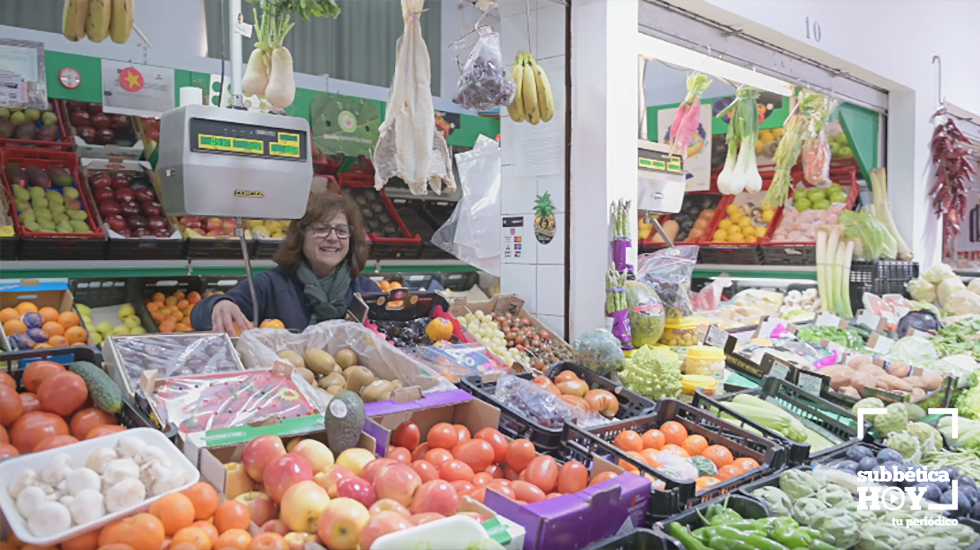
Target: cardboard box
[502,304]
[402,304]
[55,294]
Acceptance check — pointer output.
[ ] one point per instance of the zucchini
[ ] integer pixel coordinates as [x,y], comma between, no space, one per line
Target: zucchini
[101,388]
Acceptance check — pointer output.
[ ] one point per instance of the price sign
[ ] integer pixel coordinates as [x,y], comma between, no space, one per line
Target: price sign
[870,320]
[828,320]
[810,383]
[880,344]
[717,337]
[13,90]
[779,370]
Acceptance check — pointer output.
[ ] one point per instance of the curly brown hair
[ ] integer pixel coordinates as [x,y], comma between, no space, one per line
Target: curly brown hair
[323,207]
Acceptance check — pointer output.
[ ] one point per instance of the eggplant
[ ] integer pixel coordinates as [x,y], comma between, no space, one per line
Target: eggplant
[867,464]
[933,492]
[967,481]
[846,466]
[857,452]
[953,471]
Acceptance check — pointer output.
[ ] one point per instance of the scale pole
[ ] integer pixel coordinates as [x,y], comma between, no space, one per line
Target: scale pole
[235,48]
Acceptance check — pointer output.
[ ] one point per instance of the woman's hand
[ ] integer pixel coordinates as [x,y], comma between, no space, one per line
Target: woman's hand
[225,316]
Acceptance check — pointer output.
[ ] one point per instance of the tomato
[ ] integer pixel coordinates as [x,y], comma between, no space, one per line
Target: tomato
[497,441]
[438,456]
[543,473]
[462,432]
[477,493]
[482,478]
[442,436]
[462,486]
[503,487]
[425,470]
[38,372]
[496,471]
[520,452]
[477,453]
[104,430]
[6,449]
[86,419]
[4,438]
[11,407]
[53,442]
[406,435]
[455,470]
[30,402]
[528,492]
[511,474]
[420,451]
[32,428]
[601,478]
[63,393]
[8,380]
[572,477]
[400,454]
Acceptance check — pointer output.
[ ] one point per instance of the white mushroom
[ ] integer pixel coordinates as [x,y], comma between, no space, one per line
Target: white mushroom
[171,481]
[125,494]
[129,446]
[120,469]
[151,454]
[57,468]
[100,458]
[87,507]
[47,488]
[152,471]
[49,519]
[80,479]
[55,496]
[29,499]
[66,501]
[26,478]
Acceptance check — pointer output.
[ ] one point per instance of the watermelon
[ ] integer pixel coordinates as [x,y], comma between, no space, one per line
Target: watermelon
[646,314]
[599,351]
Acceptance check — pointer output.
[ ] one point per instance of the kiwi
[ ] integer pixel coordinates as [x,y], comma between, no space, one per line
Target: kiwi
[379,390]
[346,358]
[332,379]
[358,377]
[334,390]
[319,361]
[307,375]
[293,357]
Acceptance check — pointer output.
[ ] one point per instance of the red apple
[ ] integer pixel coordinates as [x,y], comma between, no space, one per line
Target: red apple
[284,472]
[75,105]
[357,489]
[213,224]
[435,496]
[228,227]
[163,233]
[129,209]
[191,222]
[389,505]
[399,482]
[156,222]
[329,478]
[297,541]
[124,231]
[100,179]
[214,233]
[125,194]
[302,504]
[261,508]
[119,122]
[259,453]
[150,208]
[275,526]
[151,123]
[109,208]
[120,181]
[101,121]
[81,118]
[136,222]
[141,232]
[380,525]
[94,108]
[104,137]
[426,517]
[372,468]
[315,453]
[341,524]
[145,194]
[116,222]
[104,194]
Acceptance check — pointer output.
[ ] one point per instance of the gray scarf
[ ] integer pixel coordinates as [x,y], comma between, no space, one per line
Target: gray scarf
[327,296]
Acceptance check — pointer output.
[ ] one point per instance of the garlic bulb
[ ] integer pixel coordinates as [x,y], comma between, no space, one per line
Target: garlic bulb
[119,470]
[57,468]
[100,458]
[26,478]
[129,446]
[126,493]
[49,519]
[87,507]
[80,479]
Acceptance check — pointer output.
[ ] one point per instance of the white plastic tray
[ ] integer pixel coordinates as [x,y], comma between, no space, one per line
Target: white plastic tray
[451,533]
[79,452]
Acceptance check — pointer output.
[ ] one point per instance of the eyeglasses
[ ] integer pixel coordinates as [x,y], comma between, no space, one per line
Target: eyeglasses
[323,230]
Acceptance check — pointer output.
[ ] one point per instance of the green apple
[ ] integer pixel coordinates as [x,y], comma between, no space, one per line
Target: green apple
[132,321]
[4,112]
[838,197]
[121,330]
[821,205]
[17,117]
[816,195]
[803,204]
[32,115]
[105,327]
[137,330]
[49,118]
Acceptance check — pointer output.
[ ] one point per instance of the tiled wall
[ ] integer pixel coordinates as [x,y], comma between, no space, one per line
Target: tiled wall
[533,162]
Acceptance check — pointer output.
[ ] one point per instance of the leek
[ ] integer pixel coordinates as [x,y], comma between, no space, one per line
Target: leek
[845,281]
[883,211]
[740,171]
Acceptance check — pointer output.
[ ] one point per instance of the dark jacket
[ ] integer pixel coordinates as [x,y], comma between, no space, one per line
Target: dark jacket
[280,296]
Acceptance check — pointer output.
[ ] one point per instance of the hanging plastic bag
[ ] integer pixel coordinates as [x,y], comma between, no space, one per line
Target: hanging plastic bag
[484,83]
[668,272]
[816,147]
[472,233]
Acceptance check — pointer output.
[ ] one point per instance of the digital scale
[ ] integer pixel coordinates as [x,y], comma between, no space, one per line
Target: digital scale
[661,183]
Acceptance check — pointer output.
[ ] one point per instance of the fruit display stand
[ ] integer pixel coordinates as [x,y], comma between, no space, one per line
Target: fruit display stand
[61,170]
[111,301]
[690,224]
[98,135]
[26,298]
[389,237]
[47,133]
[268,236]
[210,238]
[737,252]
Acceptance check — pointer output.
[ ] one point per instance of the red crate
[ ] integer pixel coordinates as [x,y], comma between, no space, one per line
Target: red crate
[385,248]
[64,142]
[56,246]
[727,252]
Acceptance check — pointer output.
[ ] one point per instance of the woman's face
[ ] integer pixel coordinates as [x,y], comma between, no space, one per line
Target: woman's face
[327,252]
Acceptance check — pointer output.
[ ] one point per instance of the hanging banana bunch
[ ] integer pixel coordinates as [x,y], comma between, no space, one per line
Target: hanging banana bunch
[97,20]
[533,101]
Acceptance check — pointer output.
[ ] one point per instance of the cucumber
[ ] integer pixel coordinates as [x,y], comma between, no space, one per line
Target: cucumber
[101,388]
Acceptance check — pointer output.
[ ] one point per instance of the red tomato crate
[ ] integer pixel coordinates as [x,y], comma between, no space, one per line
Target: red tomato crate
[804,252]
[63,143]
[360,186]
[49,245]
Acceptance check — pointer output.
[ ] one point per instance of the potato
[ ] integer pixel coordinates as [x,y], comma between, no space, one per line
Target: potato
[319,361]
[932,381]
[861,380]
[850,392]
[899,369]
[840,375]
[293,357]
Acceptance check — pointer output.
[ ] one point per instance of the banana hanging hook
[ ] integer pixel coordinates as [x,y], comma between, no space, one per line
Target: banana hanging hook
[936,59]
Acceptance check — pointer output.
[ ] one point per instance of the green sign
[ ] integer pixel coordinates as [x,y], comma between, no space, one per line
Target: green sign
[343,124]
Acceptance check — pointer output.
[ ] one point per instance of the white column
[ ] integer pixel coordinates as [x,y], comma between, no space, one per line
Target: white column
[603,155]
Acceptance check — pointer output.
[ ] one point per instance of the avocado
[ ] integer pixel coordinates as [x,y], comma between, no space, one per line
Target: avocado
[104,392]
[343,420]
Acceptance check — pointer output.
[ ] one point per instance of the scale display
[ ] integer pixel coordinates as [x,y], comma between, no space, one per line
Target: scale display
[231,138]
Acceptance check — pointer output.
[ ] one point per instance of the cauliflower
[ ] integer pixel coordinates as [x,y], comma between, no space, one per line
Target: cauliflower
[921,289]
[947,289]
[974,286]
[938,272]
[653,374]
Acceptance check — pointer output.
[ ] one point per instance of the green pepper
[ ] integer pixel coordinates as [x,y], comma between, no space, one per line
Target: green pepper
[759,542]
[682,534]
[744,525]
[790,537]
[726,544]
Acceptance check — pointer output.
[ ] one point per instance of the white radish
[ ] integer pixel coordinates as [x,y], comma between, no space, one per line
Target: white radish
[256,77]
[282,86]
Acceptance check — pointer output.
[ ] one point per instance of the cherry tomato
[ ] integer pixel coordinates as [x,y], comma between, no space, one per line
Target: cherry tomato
[543,473]
[63,393]
[462,432]
[477,453]
[442,436]
[438,456]
[401,454]
[520,452]
[455,470]
[497,441]
[38,372]
[572,477]
[406,435]
[11,407]
[104,430]
[528,492]
[86,420]
[602,478]
[53,442]
[425,470]
[32,428]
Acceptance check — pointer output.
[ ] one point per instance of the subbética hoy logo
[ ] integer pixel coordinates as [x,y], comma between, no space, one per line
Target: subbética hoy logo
[894,498]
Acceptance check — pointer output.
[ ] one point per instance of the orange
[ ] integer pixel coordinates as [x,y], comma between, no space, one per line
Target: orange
[653,439]
[746,463]
[76,335]
[176,315]
[179,295]
[57,341]
[152,306]
[728,472]
[175,510]
[109,533]
[43,346]
[158,316]
[394,284]
[9,314]
[14,326]
[694,444]
[385,286]
[704,482]
[170,301]
[181,327]
[231,514]
[139,531]
[87,541]
[194,297]
[49,313]
[69,319]
[208,528]
[674,432]
[718,454]
[629,467]
[25,307]
[159,297]
[629,440]
[439,329]
[165,311]
[272,323]
[233,539]
[204,498]
[268,541]
[650,457]
[676,449]
[195,537]
[182,304]
[120,546]
[167,326]
[53,328]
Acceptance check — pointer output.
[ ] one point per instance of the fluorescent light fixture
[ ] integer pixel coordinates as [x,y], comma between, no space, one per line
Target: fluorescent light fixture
[655,48]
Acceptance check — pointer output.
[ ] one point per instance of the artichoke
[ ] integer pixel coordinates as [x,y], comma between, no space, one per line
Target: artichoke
[929,437]
[806,508]
[861,516]
[927,543]
[906,445]
[895,420]
[799,483]
[836,527]
[964,535]
[834,495]
[779,503]
[881,537]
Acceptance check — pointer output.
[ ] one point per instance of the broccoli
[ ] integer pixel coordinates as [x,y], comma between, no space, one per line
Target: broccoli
[653,374]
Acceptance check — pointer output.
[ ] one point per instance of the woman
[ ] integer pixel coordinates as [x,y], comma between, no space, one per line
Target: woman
[319,266]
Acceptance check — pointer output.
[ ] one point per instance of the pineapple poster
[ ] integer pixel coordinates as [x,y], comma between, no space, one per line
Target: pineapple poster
[544,218]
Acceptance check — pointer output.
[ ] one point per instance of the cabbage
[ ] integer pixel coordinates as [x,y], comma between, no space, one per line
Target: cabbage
[895,420]
[947,288]
[912,350]
[906,445]
[963,302]
[974,286]
[921,289]
[938,272]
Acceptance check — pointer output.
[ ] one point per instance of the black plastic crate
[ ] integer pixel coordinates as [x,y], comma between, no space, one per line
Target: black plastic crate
[8,248]
[203,248]
[263,249]
[776,254]
[731,255]
[816,412]
[146,248]
[881,278]
[631,405]
[637,539]
[112,292]
[433,252]
[746,506]
[459,282]
[679,495]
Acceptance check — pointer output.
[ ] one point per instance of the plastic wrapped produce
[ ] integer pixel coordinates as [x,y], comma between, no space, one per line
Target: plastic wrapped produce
[186,354]
[599,351]
[646,314]
[484,83]
[668,272]
[541,406]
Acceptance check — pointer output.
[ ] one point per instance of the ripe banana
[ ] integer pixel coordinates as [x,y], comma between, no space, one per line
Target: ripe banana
[73,19]
[99,17]
[516,108]
[530,95]
[121,25]
[546,101]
